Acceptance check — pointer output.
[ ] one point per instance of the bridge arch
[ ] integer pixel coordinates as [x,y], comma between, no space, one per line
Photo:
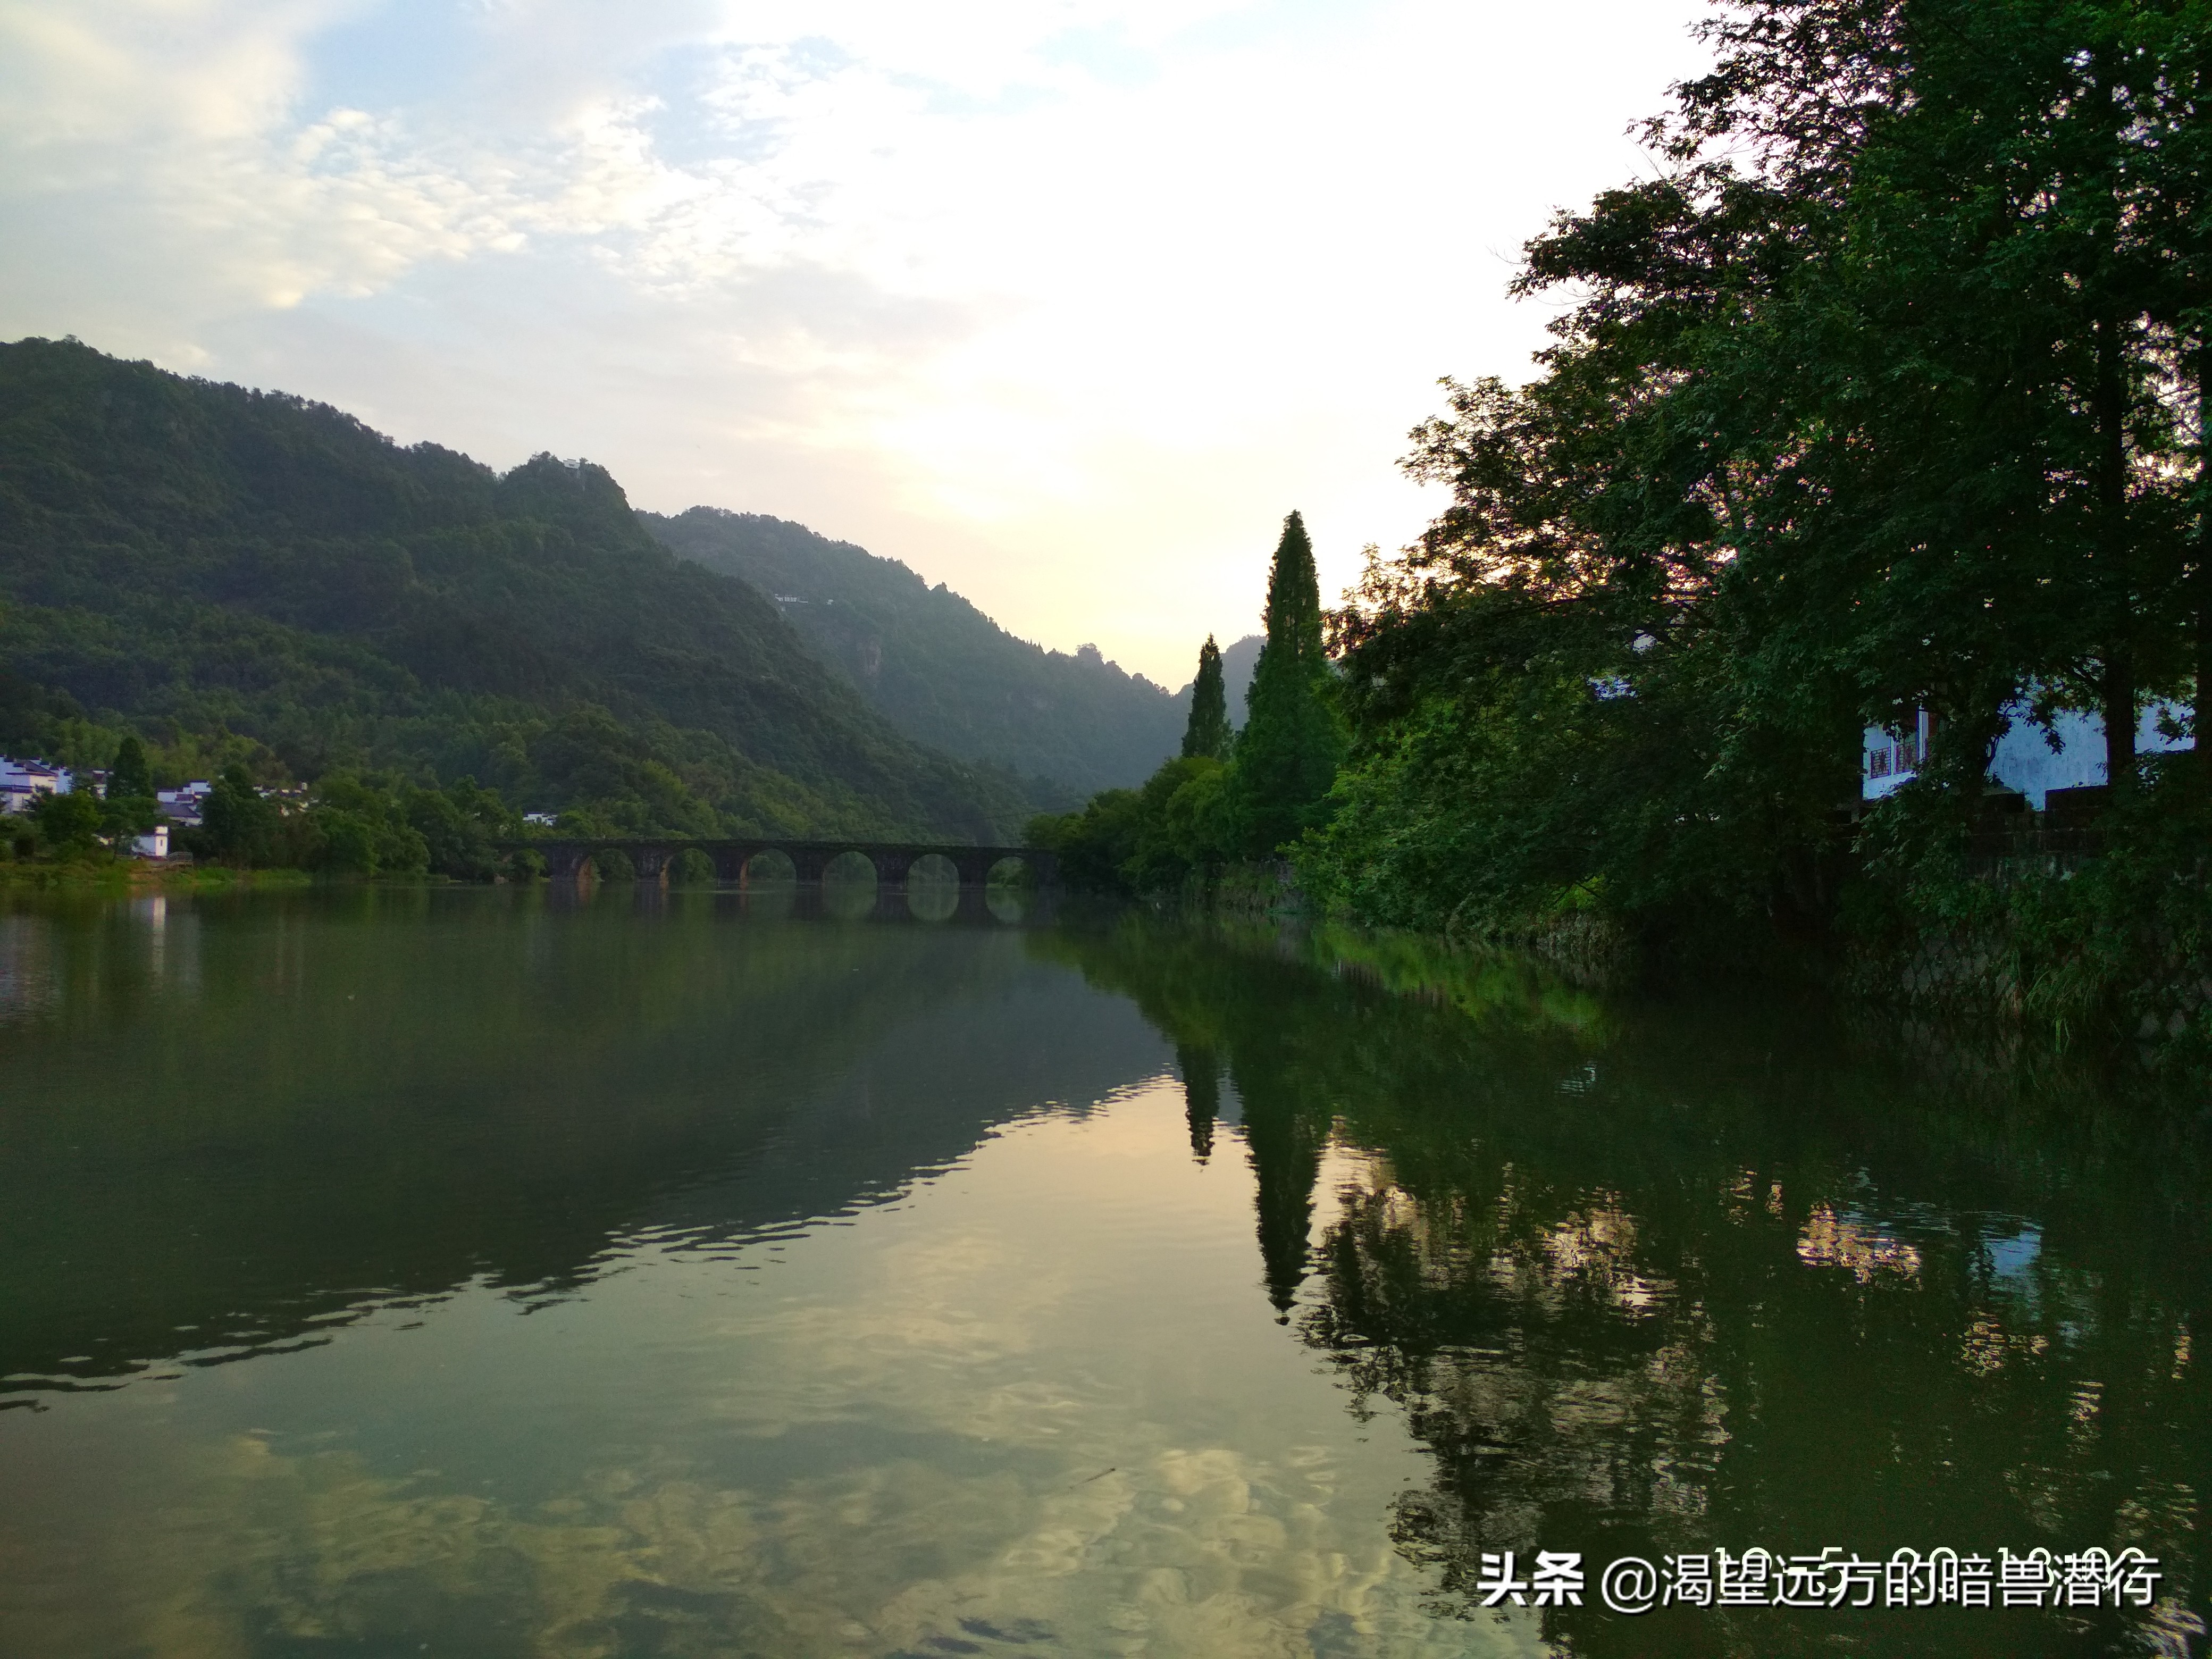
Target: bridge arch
[692,867]
[852,866]
[766,866]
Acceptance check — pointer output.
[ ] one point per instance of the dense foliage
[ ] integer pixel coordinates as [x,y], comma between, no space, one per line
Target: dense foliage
[1885,393]
[347,823]
[246,578]
[934,665]
[352,825]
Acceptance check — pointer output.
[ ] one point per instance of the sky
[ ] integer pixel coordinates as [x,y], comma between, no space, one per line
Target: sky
[1064,303]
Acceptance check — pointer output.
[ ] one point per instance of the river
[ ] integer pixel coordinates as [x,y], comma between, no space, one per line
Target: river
[391,1271]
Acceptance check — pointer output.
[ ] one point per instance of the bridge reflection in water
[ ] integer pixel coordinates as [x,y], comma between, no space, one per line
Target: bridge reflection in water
[893,862]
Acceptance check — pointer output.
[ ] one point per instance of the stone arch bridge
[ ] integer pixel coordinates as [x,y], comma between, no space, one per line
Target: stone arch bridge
[892,861]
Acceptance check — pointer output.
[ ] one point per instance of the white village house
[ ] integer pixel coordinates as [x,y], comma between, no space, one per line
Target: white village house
[21,782]
[2027,760]
[182,807]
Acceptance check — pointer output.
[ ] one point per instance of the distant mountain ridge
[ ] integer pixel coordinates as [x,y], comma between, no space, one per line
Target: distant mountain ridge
[937,667]
[186,556]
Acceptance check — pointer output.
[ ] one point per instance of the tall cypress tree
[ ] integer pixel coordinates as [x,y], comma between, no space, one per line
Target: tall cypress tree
[130,778]
[1207,733]
[1293,742]
[1294,605]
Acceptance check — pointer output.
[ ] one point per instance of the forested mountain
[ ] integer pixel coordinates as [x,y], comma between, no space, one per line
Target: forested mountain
[937,667]
[188,559]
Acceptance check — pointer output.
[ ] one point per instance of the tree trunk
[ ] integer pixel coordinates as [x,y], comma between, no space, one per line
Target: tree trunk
[2201,577]
[2118,677]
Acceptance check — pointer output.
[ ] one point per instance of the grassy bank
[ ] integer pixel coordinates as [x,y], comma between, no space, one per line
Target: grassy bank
[138,875]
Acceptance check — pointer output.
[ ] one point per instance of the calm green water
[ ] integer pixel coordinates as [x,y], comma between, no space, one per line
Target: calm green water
[391,1272]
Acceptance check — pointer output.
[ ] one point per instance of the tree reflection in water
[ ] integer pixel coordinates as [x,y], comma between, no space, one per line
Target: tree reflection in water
[1201,1087]
[1655,1277]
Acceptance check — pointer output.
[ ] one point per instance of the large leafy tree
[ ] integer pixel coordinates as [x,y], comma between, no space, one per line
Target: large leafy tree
[69,823]
[240,825]
[1884,394]
[128,806]
[1974,492]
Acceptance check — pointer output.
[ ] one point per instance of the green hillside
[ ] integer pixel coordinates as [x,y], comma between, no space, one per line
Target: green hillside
[943,673]
[193,559]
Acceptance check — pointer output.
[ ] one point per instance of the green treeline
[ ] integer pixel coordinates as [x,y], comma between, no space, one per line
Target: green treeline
[357,825]
[348,823]
[1228,796]
[1887,394]
[246,578]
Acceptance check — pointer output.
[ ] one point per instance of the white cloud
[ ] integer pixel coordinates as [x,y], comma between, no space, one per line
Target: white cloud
[1067,303]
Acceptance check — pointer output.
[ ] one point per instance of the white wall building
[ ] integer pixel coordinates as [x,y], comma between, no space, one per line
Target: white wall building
[182,807]
[2070,756]
[21,782]
[154,844]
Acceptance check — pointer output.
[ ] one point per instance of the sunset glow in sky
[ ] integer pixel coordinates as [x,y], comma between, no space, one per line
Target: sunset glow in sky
[1065,304]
